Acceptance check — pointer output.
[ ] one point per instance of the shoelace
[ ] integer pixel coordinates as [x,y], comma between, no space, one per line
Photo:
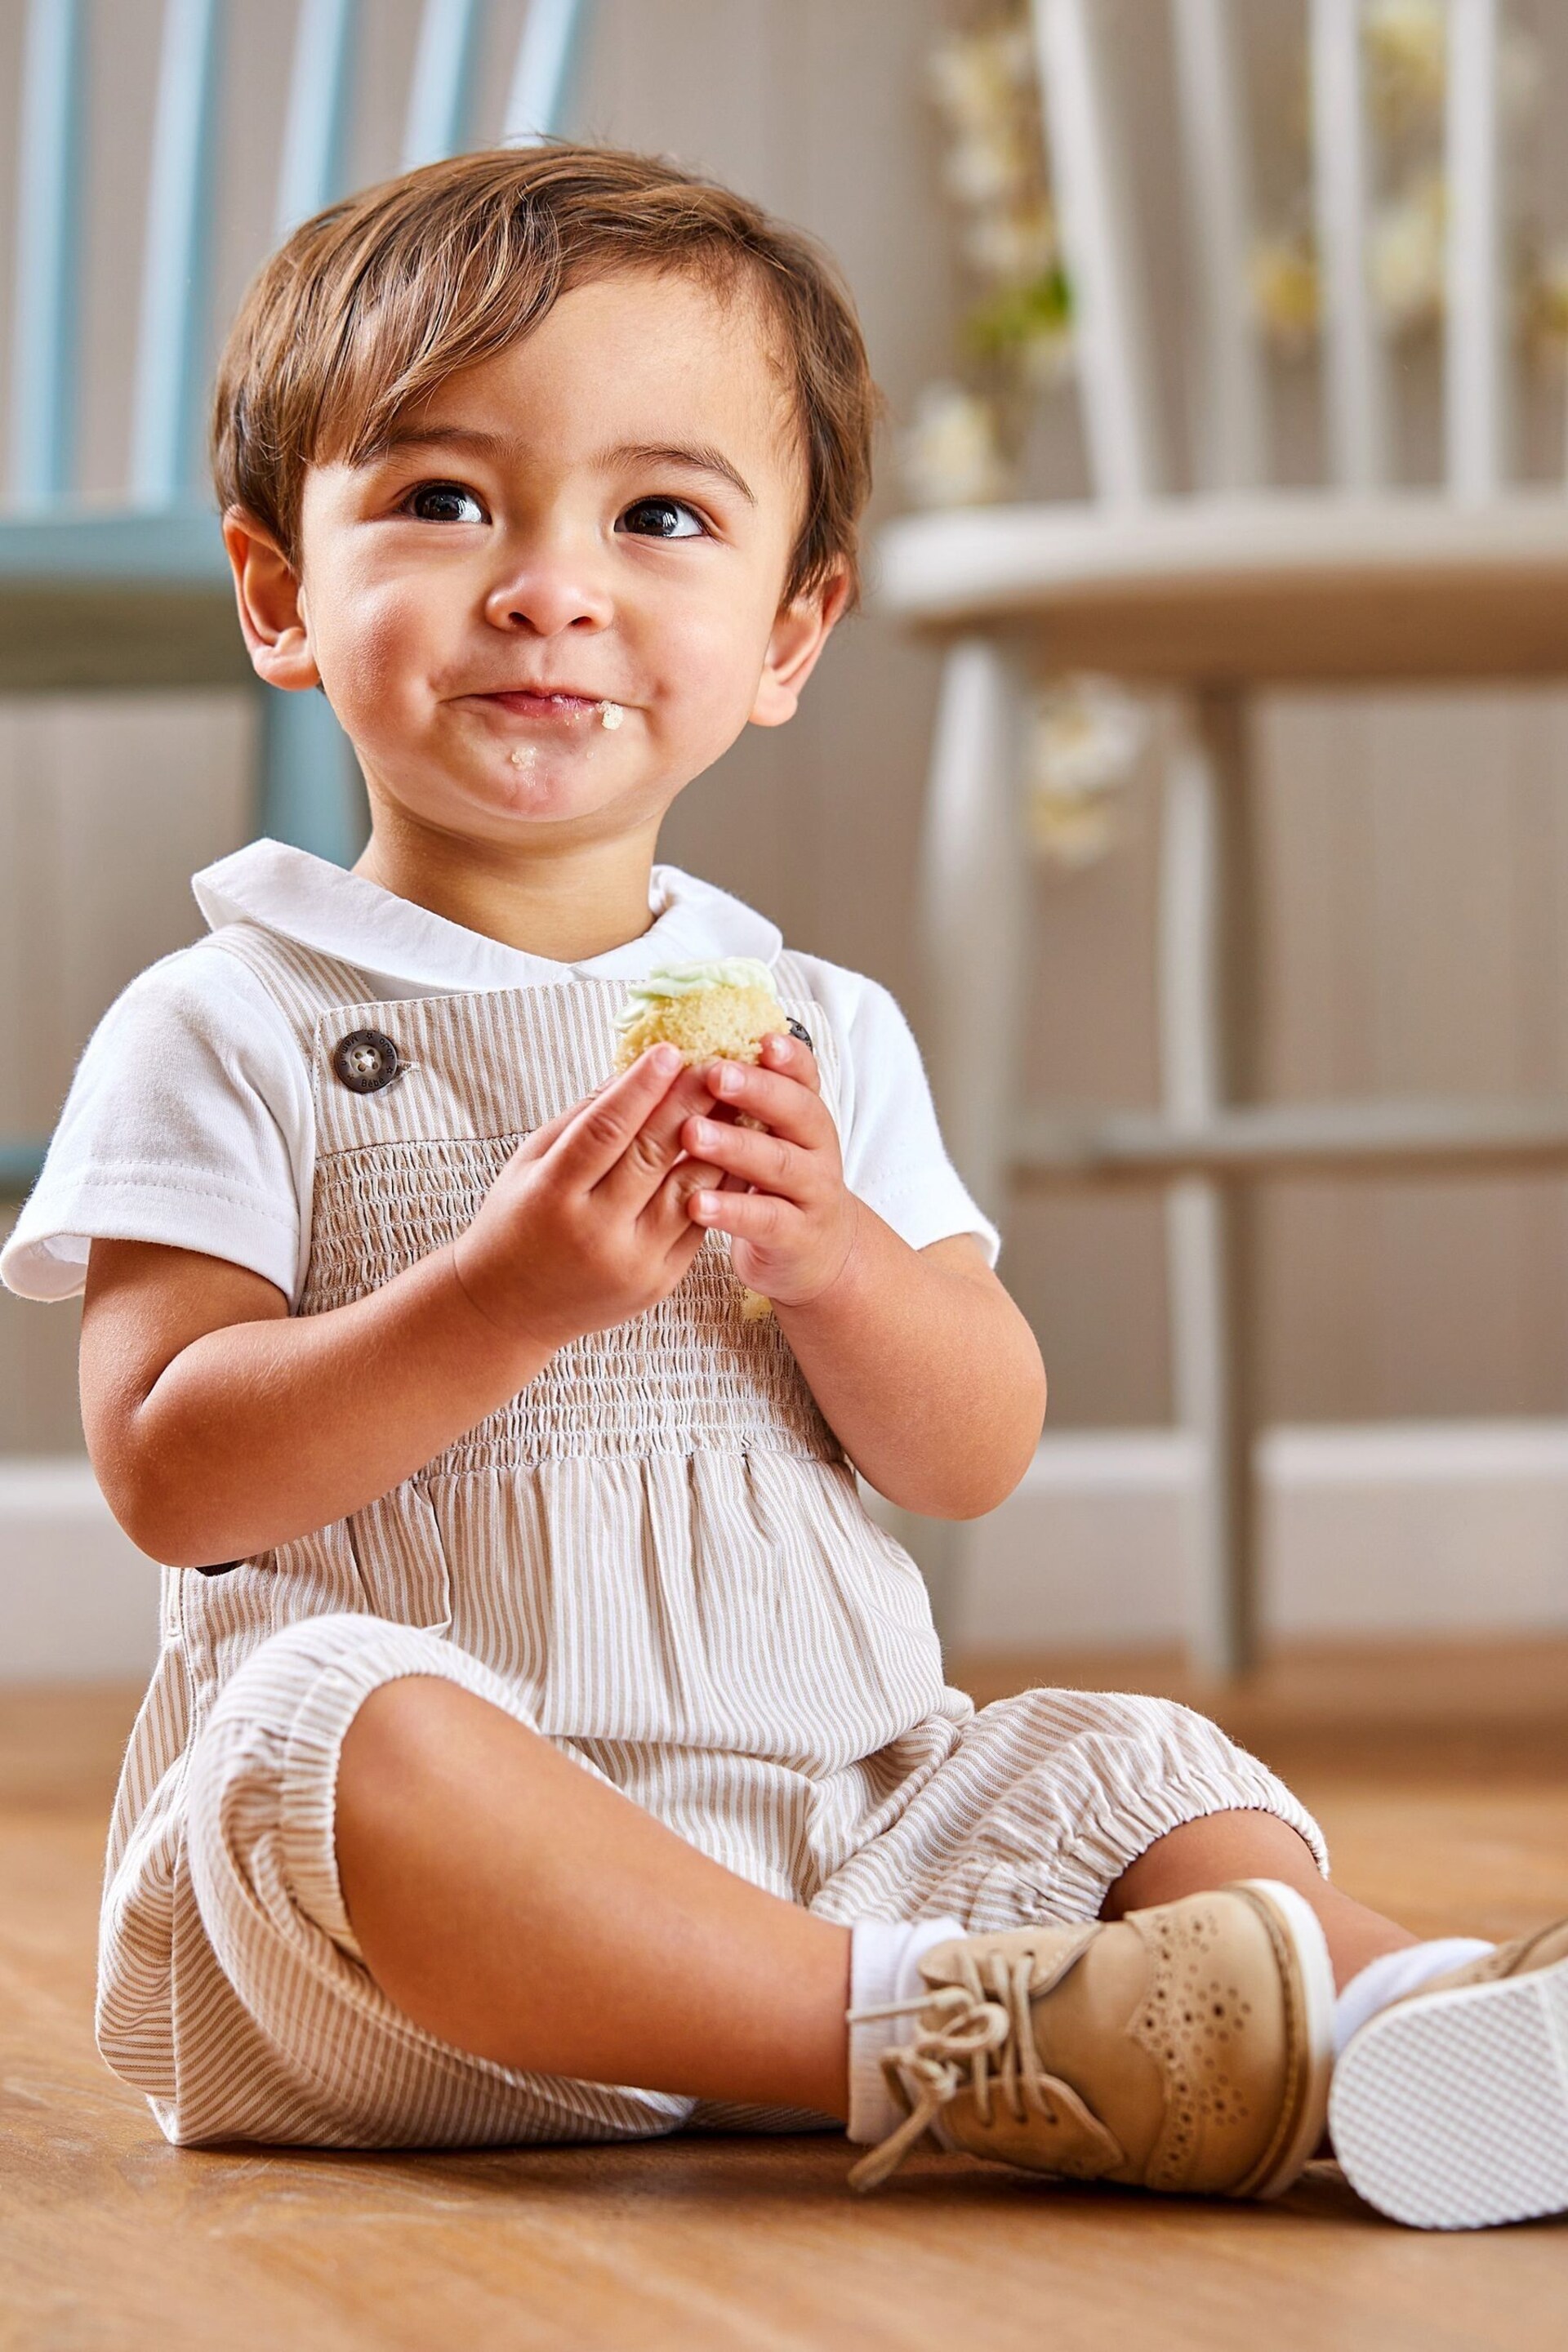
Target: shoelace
[979,2031]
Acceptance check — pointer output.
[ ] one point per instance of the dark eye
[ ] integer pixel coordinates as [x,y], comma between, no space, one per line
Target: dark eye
[444,502]
[661,518]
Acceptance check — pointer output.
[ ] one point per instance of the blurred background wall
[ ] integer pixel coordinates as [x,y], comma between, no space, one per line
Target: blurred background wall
[1416,849]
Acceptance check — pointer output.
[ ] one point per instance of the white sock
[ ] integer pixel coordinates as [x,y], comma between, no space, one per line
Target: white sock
[884,1965]
[1394,1974]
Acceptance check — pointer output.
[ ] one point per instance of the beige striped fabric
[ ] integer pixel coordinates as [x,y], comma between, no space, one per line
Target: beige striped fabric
[655,1555]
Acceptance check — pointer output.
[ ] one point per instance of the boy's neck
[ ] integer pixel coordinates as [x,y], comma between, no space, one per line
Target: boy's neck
[567,906]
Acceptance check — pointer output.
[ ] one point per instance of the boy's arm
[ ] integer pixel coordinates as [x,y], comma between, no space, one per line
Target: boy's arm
[220,1425]
[925,1369]
[923,1365]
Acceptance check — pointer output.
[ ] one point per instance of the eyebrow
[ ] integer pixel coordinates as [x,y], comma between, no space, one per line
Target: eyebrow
[696,457]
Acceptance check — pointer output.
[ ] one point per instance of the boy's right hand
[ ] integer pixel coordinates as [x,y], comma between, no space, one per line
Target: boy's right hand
[586,1224]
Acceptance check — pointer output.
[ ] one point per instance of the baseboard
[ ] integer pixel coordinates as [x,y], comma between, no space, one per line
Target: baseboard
[1388,1529]
[78,1601]
[1381,1529]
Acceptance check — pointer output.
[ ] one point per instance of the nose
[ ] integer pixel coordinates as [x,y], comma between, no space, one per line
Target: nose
[548,589]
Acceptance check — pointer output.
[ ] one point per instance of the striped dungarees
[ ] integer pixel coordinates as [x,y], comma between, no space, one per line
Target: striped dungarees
[655,1555]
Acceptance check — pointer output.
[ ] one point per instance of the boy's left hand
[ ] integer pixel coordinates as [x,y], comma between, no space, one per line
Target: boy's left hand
[792,1231]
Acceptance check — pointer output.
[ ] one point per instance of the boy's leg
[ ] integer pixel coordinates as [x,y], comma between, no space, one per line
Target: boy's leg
[1222,1847]
[1376,1962]
[520,1909]
[465,1839]
[514,1906]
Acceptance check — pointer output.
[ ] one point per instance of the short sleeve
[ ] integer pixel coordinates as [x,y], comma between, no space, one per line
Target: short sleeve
[894,1157]
[188,1122]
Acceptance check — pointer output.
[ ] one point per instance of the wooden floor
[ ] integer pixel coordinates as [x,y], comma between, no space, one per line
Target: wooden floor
[1442,1780]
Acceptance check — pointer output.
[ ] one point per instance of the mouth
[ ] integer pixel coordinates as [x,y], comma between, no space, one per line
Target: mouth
[561,704]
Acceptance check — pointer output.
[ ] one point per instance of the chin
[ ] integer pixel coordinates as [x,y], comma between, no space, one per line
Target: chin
[544,787]
[544,801]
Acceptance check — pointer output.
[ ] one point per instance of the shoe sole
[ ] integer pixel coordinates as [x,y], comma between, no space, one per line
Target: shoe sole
[1309,1978]
[1449,2111]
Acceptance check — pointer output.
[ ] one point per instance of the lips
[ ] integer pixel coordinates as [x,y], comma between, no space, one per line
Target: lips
[544,702]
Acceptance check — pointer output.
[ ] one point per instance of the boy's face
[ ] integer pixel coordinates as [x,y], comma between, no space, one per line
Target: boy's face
[606,512]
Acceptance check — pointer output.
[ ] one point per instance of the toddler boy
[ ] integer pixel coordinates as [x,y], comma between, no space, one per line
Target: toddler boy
[544,1743]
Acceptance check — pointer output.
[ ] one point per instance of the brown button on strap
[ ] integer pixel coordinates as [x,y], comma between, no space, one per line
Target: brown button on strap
[365,1061]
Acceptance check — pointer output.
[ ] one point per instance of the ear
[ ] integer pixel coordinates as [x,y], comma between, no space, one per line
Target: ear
[271,614]
[800,632]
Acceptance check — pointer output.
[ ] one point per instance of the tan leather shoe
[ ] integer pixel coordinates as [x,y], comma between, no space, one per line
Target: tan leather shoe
[1449,2108]
[1185,2048]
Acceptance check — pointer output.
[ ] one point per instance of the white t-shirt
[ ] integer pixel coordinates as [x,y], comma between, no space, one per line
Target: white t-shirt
[190,1119]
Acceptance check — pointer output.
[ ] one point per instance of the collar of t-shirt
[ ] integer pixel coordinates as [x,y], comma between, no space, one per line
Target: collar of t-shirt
[343,914]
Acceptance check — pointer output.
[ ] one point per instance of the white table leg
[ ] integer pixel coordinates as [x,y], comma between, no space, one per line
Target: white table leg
[1205,1000]
[973,883]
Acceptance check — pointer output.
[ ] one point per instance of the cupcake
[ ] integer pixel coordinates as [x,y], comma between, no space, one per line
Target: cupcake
[711,1011]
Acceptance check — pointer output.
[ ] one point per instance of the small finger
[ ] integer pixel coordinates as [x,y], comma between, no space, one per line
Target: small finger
[782,1050]
[684,1242]
[539,1138]
[747,1216]
[687,1176]
[756,1155]
[600,1129]
[782,1101]
[628,1186]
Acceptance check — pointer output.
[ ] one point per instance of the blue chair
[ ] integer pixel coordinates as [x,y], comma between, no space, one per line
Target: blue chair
[102,599]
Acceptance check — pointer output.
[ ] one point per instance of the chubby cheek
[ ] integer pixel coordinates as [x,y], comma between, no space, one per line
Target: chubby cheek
[707,666]
[373,650]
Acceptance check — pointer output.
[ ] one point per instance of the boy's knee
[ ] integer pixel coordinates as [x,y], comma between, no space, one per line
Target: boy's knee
[279,1675]
[306,1684]
[264,1770]
[411,1732]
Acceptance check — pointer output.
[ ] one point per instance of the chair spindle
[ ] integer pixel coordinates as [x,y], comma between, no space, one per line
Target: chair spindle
[1231,452]
[1115,379]
[1475,358]
[170,359]
[43,347]
[536,102]
[1356,376]
[441,80]
[310,173]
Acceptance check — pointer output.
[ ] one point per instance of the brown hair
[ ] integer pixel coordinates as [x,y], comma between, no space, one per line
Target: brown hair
[372,303]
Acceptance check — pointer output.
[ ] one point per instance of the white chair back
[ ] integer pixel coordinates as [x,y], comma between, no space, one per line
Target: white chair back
[1120,418]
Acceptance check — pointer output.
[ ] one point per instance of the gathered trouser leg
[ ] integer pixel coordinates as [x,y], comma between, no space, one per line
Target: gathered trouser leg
[281,2034]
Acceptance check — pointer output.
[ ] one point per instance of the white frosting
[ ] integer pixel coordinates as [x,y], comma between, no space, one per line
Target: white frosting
[689,978]
[610,715]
